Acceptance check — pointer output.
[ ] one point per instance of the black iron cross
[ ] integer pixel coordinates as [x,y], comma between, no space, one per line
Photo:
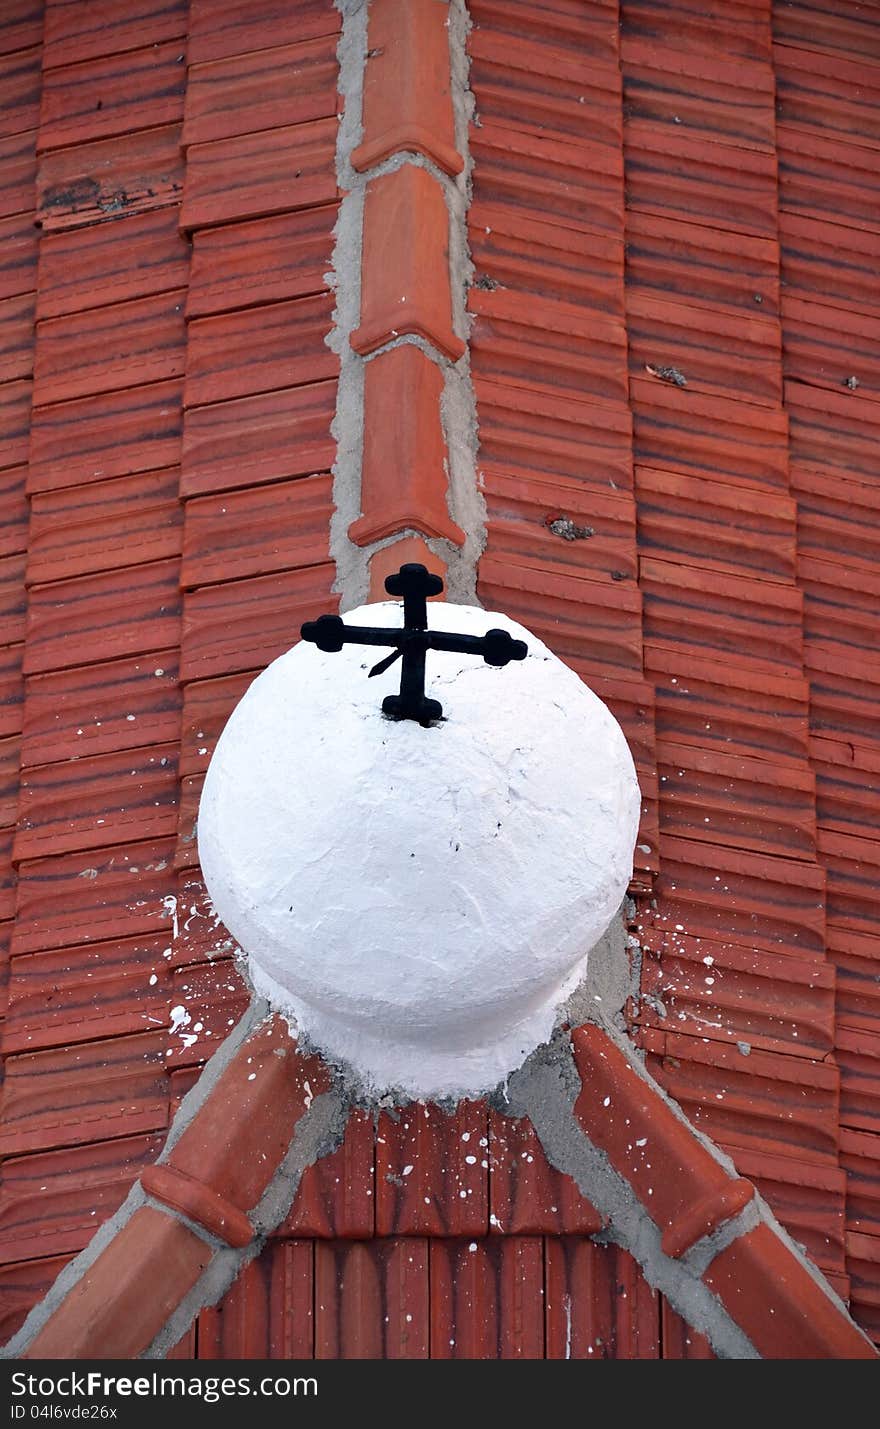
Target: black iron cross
[415,583]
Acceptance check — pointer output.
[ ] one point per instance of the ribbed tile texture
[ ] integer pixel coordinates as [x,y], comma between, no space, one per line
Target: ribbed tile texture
[549,345]
[674,318]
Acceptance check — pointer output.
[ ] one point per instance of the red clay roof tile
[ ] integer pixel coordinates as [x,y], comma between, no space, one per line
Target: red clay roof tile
[589,32]
[17,322]
[198,1202]
[747,621]
[808,1198]
[256,439]
[269,1311]
[432,1173]
[111,262]
[119,1305]
[71,34]
[252,175]
[104,97]
[679,430]
[681,176]
[21,25]
[728,799]
[847,786]
[834,517]
[220,27]
[13,511]
[860,1159]
[717,526]
[827,178]
[87,993]
[270,259]
[9,760]
[764,1101]
[528,1196]
[771,904]
[828,94]
[704,266]
[127,174]
[863,1257]
[708,988]
[404,480]
[261,90]
[85,710]
[783,1310]
[621,1319]
[106,525]
[120,346]
[709,98]
[405,279]
[684,1190]
[239,1136]
[407,101]
[388,560]
[107,799]
[335,1198]
[207,705]
[724,354]
[215,998]
[18,168]
[185,853]
[229,627]
[253,532]
[75,1095]
[53,1202]
[23,1285]
[371,1299]
[486,1300]
[828,346]
[539,342]
[554,605]
[523,253]
[845,28]
[733,708]
[541,436]
[102,616]
[114,434]
[258,350]
[737,29]
[7,876]
[92,897]
[521,513]
[12,599]
[15,402]
[545,87]
[831,262]
[575,185]
[18,266]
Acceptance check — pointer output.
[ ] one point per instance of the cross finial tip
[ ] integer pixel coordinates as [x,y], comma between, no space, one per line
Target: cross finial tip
[413,579]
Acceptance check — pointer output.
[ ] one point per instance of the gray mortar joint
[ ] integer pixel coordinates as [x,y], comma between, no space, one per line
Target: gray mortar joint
[458,404]
[318,1132]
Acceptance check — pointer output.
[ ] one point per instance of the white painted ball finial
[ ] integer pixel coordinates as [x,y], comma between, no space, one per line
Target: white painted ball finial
[420,900]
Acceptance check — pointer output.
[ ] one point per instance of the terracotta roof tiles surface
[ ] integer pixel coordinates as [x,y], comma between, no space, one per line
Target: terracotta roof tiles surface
[638,206]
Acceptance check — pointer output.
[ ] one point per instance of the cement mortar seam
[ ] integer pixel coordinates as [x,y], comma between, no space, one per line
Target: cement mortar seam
[767,1218]
[457,407]
[545,1091]
[72,1274]
[318,1132]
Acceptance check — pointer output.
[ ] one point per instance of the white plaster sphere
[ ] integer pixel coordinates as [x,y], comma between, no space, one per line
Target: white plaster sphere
[419,901]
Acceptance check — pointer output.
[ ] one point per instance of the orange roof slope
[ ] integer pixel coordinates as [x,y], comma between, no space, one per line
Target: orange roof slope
[675,462]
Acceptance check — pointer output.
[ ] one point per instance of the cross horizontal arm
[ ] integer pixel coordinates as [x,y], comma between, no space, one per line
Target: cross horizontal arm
[330,633]
[497,647]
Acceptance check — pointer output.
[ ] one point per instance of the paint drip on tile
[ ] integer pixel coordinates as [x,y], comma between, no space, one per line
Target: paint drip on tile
[420,901]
